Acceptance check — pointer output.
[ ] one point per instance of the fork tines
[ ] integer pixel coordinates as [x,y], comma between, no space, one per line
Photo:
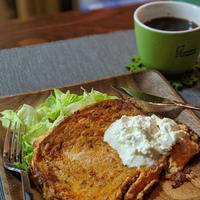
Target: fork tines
[12,143]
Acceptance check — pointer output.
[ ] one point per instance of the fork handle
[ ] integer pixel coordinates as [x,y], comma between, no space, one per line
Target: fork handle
[26,187]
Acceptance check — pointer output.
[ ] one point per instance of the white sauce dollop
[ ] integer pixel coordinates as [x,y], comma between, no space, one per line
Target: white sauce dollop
[140,140]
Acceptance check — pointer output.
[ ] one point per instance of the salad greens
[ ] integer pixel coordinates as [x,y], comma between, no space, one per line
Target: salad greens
[187,79]
[42,118]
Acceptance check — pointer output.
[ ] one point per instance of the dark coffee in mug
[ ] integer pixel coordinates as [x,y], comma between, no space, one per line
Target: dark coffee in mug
[171,24]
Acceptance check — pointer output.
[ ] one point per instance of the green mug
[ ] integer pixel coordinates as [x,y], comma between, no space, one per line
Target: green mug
[170,52]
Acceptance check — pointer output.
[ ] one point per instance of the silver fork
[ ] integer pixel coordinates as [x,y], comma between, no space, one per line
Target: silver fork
[12,153]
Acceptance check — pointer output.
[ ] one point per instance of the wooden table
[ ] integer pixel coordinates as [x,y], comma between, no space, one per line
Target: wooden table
[71,24]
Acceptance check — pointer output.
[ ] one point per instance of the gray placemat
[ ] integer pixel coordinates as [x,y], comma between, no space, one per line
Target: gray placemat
[2,195]
[65,62]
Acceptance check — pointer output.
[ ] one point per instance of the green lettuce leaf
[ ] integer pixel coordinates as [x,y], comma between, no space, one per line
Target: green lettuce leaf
[9,115]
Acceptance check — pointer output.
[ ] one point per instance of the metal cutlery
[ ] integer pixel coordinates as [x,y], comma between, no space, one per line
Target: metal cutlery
[13,153]
[152,99]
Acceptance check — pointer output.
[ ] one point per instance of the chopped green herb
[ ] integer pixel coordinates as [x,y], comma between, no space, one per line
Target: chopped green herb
[135,64]
[187,79]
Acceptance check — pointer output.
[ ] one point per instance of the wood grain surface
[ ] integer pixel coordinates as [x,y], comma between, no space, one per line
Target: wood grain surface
[149,81]
[71,24]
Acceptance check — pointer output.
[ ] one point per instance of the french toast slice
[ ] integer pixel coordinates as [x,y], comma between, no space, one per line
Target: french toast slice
[72,161]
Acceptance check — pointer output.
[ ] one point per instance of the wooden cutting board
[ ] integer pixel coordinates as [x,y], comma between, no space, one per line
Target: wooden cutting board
[149,81]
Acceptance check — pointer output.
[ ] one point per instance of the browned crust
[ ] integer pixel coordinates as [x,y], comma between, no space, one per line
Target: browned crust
[143,184]
[182,153]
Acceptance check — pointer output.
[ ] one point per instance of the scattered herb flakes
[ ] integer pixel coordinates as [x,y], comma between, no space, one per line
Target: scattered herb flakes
[135,64]
[187,79]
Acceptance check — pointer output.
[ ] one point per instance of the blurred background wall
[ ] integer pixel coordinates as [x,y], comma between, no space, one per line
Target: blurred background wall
[25,8]
[6,10]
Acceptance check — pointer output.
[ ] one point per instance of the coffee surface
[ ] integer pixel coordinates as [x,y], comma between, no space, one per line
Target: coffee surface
[171,24]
